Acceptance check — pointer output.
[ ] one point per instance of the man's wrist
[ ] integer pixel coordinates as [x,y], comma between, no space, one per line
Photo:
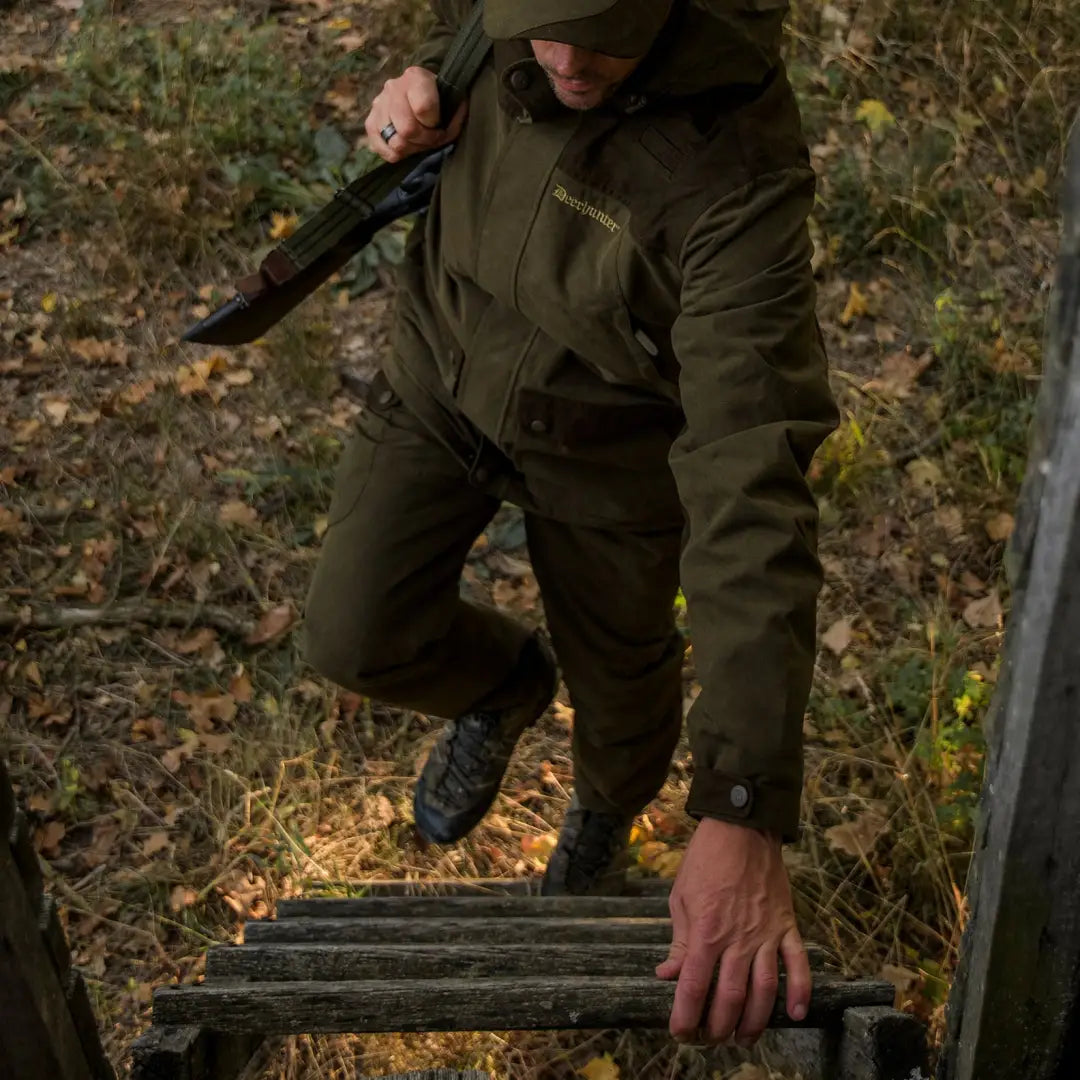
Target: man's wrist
[722,827]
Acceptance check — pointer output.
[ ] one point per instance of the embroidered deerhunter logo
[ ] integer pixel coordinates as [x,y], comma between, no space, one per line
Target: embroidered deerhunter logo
[583,207]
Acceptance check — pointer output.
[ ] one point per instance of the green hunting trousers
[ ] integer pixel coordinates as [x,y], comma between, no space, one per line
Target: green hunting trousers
[385,617]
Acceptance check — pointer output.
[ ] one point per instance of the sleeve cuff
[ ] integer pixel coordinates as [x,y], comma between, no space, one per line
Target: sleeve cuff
[740,800]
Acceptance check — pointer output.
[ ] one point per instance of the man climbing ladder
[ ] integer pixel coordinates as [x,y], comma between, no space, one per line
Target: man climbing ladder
[607,318]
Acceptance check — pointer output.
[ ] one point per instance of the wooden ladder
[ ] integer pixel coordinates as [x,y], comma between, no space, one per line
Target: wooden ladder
[48,1028]
[475,957]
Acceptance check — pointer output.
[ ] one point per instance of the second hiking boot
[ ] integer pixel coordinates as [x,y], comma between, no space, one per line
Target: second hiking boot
[466,765]
[590,857]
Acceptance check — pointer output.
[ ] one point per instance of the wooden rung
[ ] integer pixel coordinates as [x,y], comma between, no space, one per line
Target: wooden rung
[635,886]
[343,963]
[338,963]
[530,1003]
[412,907]
[504,931]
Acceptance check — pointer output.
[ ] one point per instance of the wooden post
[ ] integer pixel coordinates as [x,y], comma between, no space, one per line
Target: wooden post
[1015,1006]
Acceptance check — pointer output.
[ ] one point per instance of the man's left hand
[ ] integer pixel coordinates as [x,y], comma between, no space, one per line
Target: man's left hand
[731,907]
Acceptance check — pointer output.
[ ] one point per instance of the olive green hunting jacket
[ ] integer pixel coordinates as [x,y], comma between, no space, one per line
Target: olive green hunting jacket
[621,300]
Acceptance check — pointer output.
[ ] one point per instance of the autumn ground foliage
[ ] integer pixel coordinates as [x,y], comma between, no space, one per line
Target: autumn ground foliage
[161,506]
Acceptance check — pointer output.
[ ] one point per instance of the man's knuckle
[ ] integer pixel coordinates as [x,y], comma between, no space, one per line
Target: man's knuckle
[768,982]
[731,993]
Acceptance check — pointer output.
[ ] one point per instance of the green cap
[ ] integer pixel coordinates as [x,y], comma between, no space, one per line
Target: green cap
[624,28]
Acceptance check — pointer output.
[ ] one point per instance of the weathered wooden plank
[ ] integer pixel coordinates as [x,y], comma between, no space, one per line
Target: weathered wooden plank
[1015,1006]
[338,963]
[25,858]
[635,886]
[342,963]
[465,1005]
[881,1043]
[191,1053]
[52,934]
[82,1016]
[37,1036]
[509,931]
[439,1074]
[474,907]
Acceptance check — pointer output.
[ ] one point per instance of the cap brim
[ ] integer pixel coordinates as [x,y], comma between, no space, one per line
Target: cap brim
[597,26]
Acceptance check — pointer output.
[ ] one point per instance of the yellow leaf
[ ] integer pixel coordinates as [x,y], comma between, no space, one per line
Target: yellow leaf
[1000,526]
[539,847]
[48,303]
[648,853]
[282,225]
[856,305]
[339,24]
[875,116]
[600,1068]
[33,673]
[667,865]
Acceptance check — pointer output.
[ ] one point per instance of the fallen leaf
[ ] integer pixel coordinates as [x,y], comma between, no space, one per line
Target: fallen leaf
[900,371]
[196,642]
[282,226]
[858,836]
[600,1068]
[216,744]
[56,409]
[33,672]
[272,624]
[923,473]
[1000,526]
[749,1071]
[901,977]
[378,812]
[155,842]
[984,614]
[838,637]
[182,897]
[539,847]
[667,865]
[240,687]
[856,305]
[11,522]
[47,838]
[237,512]
[875,115]
[48,303]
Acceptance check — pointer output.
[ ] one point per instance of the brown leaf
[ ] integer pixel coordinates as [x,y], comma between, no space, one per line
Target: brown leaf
[900,371]
[237,512]
[240,687]
[272,625]
[182,897]
[1000,526]
[858,836]
[216,744]
[47,838]
[984,614]
[196,642]
[11,522]
[157,841]
[838,637]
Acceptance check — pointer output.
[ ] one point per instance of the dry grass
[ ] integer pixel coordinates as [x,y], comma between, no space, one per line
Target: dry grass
[182,780]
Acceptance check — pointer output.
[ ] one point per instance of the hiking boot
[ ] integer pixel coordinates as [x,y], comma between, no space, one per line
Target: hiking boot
[466,765]
[590,858]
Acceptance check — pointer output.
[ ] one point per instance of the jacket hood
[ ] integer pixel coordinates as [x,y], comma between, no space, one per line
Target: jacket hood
[707,44]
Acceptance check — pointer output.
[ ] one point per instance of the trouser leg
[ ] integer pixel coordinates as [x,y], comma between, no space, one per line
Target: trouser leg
[609,602]
[384,615]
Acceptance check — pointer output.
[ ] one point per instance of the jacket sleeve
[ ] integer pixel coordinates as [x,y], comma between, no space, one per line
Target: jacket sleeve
[755,393]
[449,15]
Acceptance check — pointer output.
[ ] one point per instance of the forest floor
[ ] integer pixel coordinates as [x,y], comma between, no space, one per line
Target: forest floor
[161,505]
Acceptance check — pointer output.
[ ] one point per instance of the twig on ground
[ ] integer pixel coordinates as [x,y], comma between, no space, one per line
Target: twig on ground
[42,616]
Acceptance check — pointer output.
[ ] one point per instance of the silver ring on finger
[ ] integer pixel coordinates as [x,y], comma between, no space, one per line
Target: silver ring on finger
[388,132]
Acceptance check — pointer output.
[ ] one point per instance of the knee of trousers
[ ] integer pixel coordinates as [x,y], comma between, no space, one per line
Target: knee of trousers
[354,640]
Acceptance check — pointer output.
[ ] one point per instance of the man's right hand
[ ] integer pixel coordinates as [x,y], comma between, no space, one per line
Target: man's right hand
[411,103]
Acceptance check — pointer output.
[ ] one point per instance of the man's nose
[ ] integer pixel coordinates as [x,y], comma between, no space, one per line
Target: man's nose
[568,61]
